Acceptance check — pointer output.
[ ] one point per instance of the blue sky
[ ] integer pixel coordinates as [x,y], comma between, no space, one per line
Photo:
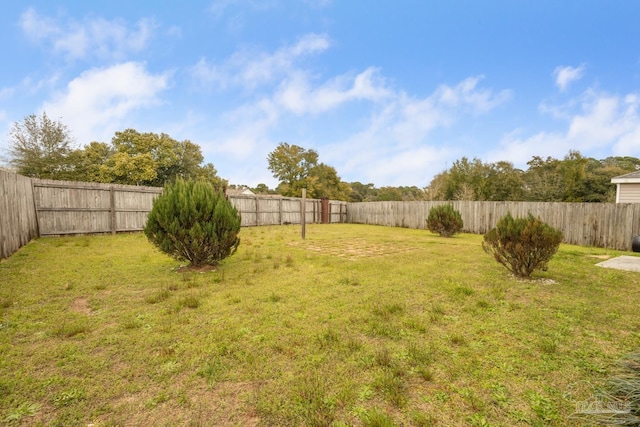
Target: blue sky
[387,92]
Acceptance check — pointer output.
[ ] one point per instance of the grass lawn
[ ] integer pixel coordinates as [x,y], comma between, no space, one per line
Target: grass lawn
[356,325]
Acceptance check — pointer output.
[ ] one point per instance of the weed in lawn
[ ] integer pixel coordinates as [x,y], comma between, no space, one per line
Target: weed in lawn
[392,385]
[68,329]
[25,409]
[464,291]
[289,261]
[189,301]
[235,300]
[457,339]
[542,406]
[328,339]
[419,354]
[425,373]
[383,357]
[548,345]
[385,311]
[213,369]
[437,311]
[274,298]
[68,397]
[483,304]
[500,395]
[478,420]
[376,417]
[158,296]
[420,419]
[313,403]
[349,281]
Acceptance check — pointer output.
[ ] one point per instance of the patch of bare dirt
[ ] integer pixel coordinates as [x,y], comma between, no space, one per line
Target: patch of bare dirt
[352,249]
[600,256]
[81,305]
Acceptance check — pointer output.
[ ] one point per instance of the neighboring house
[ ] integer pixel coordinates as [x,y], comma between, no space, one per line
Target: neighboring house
[240,192]
[628,187]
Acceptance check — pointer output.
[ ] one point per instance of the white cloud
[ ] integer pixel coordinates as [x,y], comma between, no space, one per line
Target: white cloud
[467,94]
[566,75]
[391,145]
[395,148]
[250,69]
[99,101]
[297,95]
[597,122]
[96,38]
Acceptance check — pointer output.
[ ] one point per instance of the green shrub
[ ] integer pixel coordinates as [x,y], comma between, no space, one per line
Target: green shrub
[444,220]
[192,221]
[522,245]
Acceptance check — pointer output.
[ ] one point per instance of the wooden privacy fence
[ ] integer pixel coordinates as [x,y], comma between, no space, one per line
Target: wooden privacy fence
[33,207]
[66,207]
[18,224]
[604,225]
[277,210]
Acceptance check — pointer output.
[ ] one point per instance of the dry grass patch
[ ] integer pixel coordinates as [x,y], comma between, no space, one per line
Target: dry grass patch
[353,249]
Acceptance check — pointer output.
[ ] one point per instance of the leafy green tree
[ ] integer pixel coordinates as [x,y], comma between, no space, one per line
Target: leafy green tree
[522,245]
[323,181]
[553,180]
[87,164]
[192,221]
[504,182]
[153,159]
[362,192]
[39,147]
[291,164]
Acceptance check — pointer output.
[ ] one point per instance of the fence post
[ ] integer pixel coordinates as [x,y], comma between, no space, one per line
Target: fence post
[112,202]
[325,210]
[303,211]
[257,210]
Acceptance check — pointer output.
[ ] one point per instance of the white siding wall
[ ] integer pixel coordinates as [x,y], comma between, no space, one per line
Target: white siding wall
[628,193]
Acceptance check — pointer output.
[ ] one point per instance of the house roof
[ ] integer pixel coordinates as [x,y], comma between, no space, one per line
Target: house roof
[239,192]
[629,178]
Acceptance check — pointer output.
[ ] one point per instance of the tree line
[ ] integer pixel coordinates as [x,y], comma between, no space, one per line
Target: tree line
[43,148]
[574,178]
[40,147]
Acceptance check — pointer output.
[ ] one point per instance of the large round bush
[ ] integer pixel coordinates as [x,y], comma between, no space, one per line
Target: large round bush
[522,245]
[192,221]
[444,220]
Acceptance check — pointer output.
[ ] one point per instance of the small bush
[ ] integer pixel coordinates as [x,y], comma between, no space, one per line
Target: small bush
[444,220]
[522,245]
[194,222]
